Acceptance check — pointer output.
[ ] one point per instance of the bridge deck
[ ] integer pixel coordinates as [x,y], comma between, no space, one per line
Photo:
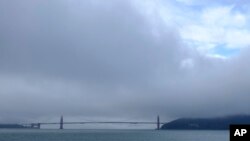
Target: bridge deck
[97,122]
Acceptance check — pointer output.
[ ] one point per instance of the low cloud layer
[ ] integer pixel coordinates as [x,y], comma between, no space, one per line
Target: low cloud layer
[109,60]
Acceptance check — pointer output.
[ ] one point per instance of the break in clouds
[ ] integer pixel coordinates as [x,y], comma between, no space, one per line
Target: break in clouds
[95,59]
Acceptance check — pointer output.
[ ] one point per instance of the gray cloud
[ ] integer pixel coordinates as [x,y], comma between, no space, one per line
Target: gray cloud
[98,59]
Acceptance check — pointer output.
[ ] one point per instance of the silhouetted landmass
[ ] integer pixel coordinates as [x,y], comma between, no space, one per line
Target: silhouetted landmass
[11,126]
[221,123]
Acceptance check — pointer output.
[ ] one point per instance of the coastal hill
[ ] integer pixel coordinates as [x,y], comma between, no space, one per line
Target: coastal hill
[11,126]
[221,123]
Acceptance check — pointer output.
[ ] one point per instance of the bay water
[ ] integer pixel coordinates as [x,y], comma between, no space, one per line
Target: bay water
[112,135]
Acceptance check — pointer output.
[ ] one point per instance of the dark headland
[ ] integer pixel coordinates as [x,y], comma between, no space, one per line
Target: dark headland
[12,126]
[219,123]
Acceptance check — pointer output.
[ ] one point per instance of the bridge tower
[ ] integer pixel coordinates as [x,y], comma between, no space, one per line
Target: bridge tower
[38,125]
[158,122]
[61,123]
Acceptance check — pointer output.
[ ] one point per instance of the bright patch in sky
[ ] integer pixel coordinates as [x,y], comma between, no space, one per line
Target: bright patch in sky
[209,24]
[225,51]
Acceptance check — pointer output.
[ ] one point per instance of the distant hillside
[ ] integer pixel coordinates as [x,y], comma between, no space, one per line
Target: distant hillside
[221,123]
[11,126]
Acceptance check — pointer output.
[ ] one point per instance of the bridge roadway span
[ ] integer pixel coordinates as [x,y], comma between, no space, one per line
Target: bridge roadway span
[100,122]
[61,123]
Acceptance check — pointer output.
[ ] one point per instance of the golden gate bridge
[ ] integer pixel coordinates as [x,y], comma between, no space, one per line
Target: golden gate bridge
[61,123]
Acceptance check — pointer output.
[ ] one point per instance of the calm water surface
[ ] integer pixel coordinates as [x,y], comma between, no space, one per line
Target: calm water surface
[111,135]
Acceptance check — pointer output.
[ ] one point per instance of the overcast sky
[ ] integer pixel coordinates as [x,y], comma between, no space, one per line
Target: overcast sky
[123,60]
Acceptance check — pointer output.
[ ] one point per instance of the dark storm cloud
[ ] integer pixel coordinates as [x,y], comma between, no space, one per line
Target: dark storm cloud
[107,59]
